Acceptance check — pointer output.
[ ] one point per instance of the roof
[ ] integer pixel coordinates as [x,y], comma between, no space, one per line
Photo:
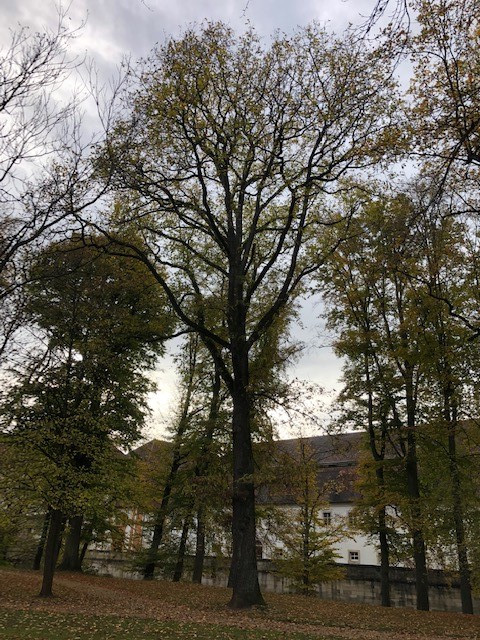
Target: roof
[330,450]
[336,457]
[152,450]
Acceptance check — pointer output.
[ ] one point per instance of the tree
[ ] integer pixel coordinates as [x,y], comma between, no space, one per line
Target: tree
[187,409]
[409,244]
[309,556]
[225,159]
[45,173]
[103,324]
[446,127]
[373,306]
[450,359]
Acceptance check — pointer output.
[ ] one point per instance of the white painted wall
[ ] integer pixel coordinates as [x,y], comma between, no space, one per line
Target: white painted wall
[367,551]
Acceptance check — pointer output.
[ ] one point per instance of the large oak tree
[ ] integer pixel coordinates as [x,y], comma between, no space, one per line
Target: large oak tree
[223,165]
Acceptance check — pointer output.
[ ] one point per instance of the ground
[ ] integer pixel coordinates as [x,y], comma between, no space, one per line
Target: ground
[94,608]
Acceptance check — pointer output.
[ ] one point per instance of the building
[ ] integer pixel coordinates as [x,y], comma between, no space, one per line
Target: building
[336,459]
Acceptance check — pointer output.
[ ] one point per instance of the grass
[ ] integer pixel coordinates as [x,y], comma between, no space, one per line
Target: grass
[16,625]
[99,608]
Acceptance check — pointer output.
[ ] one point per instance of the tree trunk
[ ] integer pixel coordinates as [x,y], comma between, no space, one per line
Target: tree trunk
[83,551]
[161,516]
[37,561]
[199,547]
[244,573]
[177,574]
[200,472]
[419,552]
[176,463]
[457,502]
[384,559]
[71,552]
[379,457]
[51,552]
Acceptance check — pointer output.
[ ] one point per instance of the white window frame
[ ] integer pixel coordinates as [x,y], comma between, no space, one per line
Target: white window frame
[350,559]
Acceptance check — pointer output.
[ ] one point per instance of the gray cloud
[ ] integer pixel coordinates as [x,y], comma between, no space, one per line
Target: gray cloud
[110,29]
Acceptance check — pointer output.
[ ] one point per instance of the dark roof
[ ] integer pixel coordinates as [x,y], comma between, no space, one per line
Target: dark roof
[152,449]
[336,457]
[330,450]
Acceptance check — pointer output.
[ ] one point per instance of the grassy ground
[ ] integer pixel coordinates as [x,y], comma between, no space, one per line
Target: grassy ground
[93,608]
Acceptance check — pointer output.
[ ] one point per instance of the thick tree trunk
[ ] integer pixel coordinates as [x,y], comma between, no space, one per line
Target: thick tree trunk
[71,552]
[177,574]
[199,547]
[37,561]
[244,573]
[51,552]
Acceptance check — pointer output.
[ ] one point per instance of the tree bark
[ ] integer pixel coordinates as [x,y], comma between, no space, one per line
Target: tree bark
[244,572]
[379,457]
[463,564]
[384,559]
[199,547]
[200,471]
[71,552]
[37,561]
[419,551]
[458,515]
[177,574]
[51,552]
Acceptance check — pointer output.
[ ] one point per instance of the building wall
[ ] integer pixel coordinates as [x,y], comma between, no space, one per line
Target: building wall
[346,548]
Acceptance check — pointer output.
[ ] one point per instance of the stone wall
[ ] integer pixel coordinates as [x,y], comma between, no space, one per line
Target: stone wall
[361,583]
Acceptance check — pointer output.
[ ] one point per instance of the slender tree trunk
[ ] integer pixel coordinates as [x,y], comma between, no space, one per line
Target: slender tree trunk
[37,561]
[458,518]
[87,537]
[200,472]
[71,552]
[83,551]
[51,552]
[176,463]
[199,547]
[306,554]
[177,574]
[161,516]
[384,559]
[419,551]
[379,457]
[450,411]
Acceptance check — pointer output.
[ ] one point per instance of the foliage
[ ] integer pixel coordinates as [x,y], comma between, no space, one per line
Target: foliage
[84,393]
[308,555]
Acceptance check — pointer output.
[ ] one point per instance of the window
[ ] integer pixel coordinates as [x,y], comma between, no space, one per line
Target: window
[354,557]
[352,521]
[327,518]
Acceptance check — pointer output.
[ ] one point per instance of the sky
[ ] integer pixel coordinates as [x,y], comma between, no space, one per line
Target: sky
[109,30]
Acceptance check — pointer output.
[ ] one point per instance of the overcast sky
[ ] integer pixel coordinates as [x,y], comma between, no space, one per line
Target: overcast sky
[111,29]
